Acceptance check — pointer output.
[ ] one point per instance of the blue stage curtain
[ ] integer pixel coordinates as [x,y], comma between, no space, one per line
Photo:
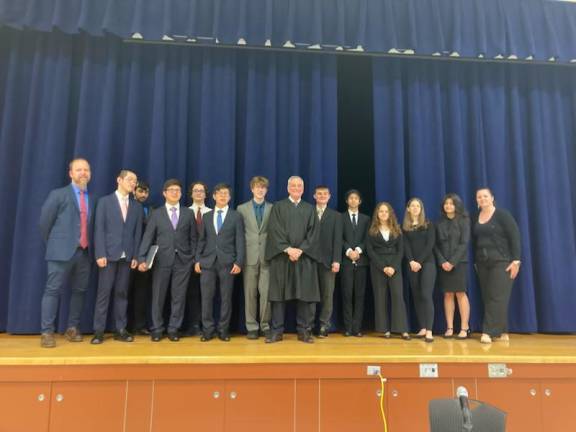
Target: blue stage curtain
[540,29]
[190,113]
[450,127]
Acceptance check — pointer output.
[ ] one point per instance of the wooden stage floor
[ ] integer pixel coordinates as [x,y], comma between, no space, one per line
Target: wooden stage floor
[532,349]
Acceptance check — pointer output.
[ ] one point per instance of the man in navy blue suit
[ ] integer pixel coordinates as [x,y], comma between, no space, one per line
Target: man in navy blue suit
[117,234]
[220,257]
[66,221]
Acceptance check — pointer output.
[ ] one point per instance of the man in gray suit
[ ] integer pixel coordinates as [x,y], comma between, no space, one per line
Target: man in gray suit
[220,257]
[257,271]
[173,229]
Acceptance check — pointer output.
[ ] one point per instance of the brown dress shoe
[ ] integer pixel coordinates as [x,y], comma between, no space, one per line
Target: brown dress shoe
[73,335]
[47,340]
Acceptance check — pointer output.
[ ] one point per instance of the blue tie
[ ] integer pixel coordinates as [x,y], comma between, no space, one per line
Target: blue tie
[219,221]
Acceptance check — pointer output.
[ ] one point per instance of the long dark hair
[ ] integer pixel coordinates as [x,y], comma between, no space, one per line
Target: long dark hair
[458,205]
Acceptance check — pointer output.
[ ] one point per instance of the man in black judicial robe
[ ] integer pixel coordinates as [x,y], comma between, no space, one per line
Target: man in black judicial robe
[291,249]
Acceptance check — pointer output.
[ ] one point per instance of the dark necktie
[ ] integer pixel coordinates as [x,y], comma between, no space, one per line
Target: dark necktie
[259,216]
[83,221]
[354,224]
[198,220]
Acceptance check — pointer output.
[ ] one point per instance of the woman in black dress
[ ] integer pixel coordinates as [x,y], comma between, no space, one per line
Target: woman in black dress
[419,239]
[451,250]
[497,259]
[385,250]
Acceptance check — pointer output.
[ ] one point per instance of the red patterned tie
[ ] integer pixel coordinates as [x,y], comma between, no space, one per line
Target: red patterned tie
[83,221]
[198,221]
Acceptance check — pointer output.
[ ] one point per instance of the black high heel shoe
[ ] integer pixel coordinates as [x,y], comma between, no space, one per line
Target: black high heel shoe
[468,331]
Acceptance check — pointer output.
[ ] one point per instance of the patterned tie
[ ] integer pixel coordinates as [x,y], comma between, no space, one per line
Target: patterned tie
[83,221]
[219,221]
[198,220]
[354,224]
[320,212]
[124,208]
[174,217]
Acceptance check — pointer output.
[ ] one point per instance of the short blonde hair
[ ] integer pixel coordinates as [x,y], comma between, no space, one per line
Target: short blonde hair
[259,181]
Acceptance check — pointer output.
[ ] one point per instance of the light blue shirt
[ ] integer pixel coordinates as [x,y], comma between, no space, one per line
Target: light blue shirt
[77,195]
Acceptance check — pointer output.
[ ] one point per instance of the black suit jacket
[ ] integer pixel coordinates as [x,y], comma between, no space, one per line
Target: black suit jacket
[385,253]
[171,242]
[354,237]
[330,243]
[113,235]
[229,245]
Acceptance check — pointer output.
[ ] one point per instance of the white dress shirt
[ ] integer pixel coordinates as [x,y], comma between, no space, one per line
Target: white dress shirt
[385,233]
[357,249]
[169,210]
[124,201]
[203,209]
[294,202]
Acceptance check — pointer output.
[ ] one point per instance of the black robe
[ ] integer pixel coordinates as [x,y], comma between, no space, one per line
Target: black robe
[293,226]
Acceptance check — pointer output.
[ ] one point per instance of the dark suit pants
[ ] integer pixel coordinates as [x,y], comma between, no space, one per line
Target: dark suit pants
[208,279]
[77,271]
[326,281]
[496,287]
[304,316]
[115,276]
[384,287]
[140,299]
[177,278]
[353,285]
[422,287]
[193,304]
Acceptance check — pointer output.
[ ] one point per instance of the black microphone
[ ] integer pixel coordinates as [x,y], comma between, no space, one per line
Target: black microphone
[462,395]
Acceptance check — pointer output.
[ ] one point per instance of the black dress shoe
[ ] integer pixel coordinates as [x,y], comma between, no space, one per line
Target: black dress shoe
[173,336]
[273,338]
[359,334]
[305,337]
[142,332]
[156,336]
[253,335]
[123,336]
[97,339]
[387,335]
[323,333]
[224,337]
[266,333]
[206,337]
[347,334]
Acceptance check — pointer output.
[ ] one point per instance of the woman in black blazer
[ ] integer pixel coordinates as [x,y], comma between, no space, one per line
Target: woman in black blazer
[385,250]
[497,259]
[419,239]
[451,250]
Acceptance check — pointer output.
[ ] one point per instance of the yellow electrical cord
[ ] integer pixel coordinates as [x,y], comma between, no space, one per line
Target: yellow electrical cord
[382,381]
